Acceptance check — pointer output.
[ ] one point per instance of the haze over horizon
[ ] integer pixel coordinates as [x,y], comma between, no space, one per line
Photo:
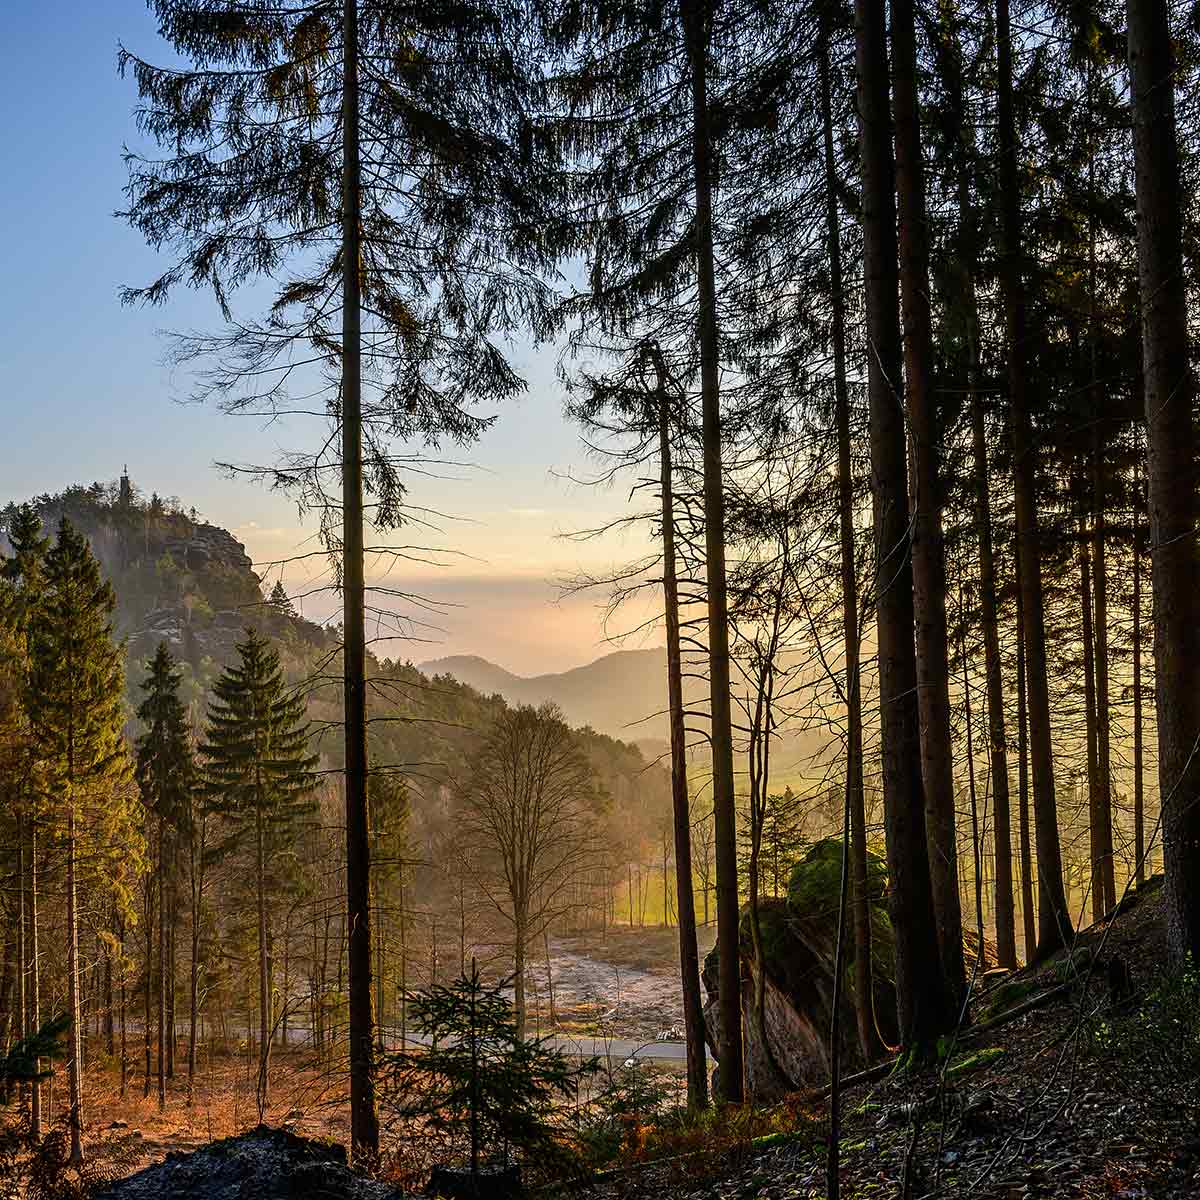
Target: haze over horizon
[85,386]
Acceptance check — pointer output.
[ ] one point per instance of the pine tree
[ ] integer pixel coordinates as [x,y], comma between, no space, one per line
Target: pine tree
[166,776]
[23,579]
[258,777]
[480,1083]
[76,712]
[334,148]
[1054,918]
[924,1008]
[1171,479]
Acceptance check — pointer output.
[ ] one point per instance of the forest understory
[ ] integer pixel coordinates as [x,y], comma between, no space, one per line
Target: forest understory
[1089,1092]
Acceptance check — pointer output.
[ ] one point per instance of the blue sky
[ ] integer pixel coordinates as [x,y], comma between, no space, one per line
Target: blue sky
[84,385]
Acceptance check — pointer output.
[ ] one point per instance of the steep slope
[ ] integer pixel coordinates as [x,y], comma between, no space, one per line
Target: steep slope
[177,578]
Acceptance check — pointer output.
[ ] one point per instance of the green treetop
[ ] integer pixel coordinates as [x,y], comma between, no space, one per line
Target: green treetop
[166,771]
[76,713]
[76,679]
[259,779]
[258,767]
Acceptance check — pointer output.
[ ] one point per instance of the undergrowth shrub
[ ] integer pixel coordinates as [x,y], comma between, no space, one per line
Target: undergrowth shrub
[1157,1042]
[50,1175]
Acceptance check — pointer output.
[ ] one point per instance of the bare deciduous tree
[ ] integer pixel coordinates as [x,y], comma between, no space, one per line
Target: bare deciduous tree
[528,798]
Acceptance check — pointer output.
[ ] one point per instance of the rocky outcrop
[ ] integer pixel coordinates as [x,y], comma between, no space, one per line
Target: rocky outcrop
[204,545]
[178,580]
[266,1164]
[800,942]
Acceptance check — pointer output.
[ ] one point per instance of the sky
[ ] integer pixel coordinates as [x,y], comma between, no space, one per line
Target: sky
[86,387]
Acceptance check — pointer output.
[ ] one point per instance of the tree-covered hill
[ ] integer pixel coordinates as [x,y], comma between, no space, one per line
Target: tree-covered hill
[178,579]
[191,585]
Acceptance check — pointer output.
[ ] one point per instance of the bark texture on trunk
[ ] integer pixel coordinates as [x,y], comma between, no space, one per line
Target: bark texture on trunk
[35,977]
[264,971]
[924,1008]
[1006,938]
[1139,802]
[1054,920]
[1095,837]
[696,17]
[928,547]
[1029,927]
[1171,477]
[364,1127]
[864,985]
[162,976]
[689,956]
[75,1061]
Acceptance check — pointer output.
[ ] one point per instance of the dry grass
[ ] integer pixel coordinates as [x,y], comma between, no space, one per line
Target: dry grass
[304,1097]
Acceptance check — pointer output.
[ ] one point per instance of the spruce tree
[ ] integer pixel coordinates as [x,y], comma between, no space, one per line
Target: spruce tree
[166,776]
[1170,439]
[23,580]
[333,150]
[259,776]
[76,712]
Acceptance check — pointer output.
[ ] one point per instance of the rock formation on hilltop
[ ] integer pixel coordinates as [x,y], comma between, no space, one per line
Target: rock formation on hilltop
[178,579]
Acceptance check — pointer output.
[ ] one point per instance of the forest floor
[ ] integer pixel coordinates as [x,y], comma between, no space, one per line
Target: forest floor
[623,985]
[1092,1092]
[304,1099]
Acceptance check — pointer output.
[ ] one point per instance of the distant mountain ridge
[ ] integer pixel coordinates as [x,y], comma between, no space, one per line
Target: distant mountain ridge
[623,694]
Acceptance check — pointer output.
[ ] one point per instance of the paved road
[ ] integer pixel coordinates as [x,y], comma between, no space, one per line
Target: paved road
[617,1049]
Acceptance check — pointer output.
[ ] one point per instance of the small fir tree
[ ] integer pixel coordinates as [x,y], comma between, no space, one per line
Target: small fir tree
[478,1083]
[76,713]
[259,776]
[280,602]
[166,776]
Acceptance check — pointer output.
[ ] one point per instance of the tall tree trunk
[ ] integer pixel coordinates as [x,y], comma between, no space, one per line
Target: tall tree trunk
[124,1044]
[696,18]
[148,911]
[35,976]
[196,882]
[403,962]
[864,985]
[364,1127]
[1025,843]
[1170,394]
[1139,803]
[22,956]
[928,546]
[263,1090]
[1006,938]
[162,973]
[1087,629]
[75,1063]
[1054,920]
[172,926]
[924,1007]
[689,955]
[109,1019]
[1103,809]
[520,1014]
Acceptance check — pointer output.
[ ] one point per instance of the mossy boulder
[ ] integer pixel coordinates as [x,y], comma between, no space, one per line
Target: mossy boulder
[799,941]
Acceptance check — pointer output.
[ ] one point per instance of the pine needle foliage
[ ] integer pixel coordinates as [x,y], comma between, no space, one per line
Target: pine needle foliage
[259,777]
[165,764]
[478,1084]
[76,714]
[76,679]
[249,186]
[257,766]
